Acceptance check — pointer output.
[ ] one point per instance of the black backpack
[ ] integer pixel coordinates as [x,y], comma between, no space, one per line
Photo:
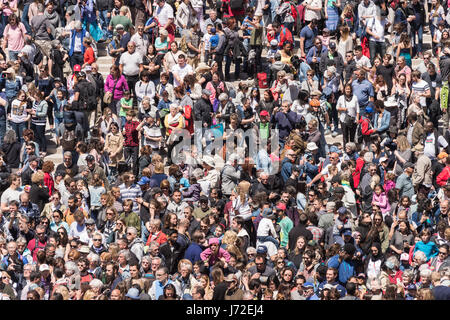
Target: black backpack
[88,98]
[236,4]
[69,140]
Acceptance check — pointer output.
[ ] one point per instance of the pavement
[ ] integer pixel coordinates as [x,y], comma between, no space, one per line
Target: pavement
[104,62]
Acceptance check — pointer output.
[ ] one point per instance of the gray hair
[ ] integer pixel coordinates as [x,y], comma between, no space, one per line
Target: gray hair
[420,256]
[351,146]
[68,154]
[70,265]
[10,137]
[126,254]
[394,260]
[96,283]
[132,230]
[93,257]
[78,24]
[426,272]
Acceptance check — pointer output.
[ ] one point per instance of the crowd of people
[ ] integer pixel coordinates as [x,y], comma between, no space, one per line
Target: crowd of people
[237,150]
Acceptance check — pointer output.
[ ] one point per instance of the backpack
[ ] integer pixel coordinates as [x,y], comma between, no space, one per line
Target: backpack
[359,134]
[39,56]
[262,80]
[69,140]
[236,4]
[183,44]
[88,98]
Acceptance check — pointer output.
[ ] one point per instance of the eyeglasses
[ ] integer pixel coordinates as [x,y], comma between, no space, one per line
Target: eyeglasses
[129,233]
[311,194]
[40,233]
[97,239]
[443,253]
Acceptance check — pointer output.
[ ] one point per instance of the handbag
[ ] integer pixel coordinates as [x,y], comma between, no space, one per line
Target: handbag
[348,120]
[108,97]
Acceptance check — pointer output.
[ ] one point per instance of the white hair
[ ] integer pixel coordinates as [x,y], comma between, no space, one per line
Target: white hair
[93,257]
[96,283]
[425,272]
[420,255]
[70,265]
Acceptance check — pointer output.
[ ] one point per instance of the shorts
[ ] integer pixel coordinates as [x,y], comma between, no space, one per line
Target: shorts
[45,46]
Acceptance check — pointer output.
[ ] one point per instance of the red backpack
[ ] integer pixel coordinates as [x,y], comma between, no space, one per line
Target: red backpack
[262,80]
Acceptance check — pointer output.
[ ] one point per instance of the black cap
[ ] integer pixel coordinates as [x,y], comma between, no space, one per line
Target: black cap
[408,165]
[90,157]
[339,190]
[81,74]
[203,199]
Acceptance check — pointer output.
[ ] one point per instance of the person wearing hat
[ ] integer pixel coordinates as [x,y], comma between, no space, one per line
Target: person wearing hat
[422,176]
[214,253]
[366,125]
[332,57]
[233,292]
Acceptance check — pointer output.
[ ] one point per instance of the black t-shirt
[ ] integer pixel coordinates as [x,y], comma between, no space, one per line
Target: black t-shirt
[144,212]
[388,74]
[434,82]
[72,170]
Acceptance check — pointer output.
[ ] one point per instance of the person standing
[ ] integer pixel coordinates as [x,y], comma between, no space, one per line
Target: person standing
[131,65]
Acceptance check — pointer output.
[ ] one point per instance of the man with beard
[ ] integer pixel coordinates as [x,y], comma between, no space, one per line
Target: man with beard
[171,250]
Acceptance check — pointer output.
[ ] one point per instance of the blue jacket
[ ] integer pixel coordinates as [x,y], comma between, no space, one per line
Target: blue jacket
[192,253]
[286,169]
[385,121]
[72,43]
[285,122]
[346,269]
[430,249]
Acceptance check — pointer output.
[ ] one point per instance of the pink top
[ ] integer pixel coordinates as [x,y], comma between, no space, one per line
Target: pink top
[12,4]
[213,258]
[382,202]
[16,36]
[210,87]
[121,86]
[388,185]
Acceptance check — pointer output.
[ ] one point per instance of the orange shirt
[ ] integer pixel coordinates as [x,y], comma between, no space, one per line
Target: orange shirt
[68,216]
[89,56]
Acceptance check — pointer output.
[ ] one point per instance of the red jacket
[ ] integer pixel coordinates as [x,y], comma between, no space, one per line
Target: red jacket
[365,126]
[442,177]
[357,173]
[49,183]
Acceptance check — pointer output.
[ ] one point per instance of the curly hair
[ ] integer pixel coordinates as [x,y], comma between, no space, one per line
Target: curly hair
[48,166]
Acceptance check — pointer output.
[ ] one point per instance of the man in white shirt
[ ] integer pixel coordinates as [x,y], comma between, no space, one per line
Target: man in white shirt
[420,88]
[12,193]
[334,161]
[164,14]
[375,29]
[78,227]
[180,70]
[361,60]
[141,40]
[130,65]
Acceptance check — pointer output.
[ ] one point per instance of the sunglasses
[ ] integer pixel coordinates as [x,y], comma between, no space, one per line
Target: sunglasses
[97,239]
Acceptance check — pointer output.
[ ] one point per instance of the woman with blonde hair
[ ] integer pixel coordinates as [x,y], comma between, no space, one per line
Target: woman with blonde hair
[345,43]
[403,154]
[204,282]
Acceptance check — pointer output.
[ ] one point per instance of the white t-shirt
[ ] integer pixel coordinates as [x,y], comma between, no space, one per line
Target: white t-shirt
[363,62]
[76,230]
[420,87]
[164,14]
[131,63]
[325,170]
[352,107]
[153,132]
[18,111]
[429,149]
[9,195]
[377,27]
[181,72]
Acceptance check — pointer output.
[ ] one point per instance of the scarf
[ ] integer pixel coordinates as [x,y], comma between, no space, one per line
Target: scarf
[173,120]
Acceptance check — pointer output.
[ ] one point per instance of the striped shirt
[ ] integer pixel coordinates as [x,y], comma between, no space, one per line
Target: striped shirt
[133,192]
[419,87]
[40,119]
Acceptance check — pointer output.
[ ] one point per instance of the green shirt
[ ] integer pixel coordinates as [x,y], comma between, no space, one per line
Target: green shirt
[123,112]
[123,20]
[286,226]
[132,220]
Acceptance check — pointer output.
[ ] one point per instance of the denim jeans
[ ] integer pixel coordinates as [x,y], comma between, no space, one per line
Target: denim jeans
[268,238]
[144,232]
[24,18]
[13,55]
[376,47]
[104,22]
[2,128]
[58,122]
[237,71]
[417,46]
[18,129]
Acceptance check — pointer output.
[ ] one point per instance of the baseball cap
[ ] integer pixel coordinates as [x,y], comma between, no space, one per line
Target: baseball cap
[133,293]
[203,198]
[261,249]
[90,158]
[412,286]
[264,113]
[308,285]
[281,206]
[404,257]
[273,42]
[332,45]
[213,30]
[311,146]
[119,27]
[213,241]
[369,109]
[347,233]
[77,68]
[44,267]
[144,180]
